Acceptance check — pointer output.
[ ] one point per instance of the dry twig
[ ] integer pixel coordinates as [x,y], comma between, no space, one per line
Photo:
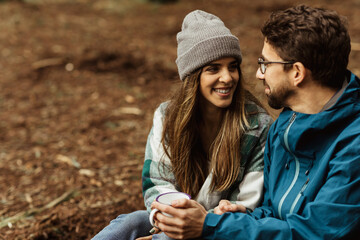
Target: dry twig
[31,212]
[48,62]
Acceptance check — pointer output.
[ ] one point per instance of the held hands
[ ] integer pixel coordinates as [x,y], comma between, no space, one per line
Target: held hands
[187,221]
[226,206]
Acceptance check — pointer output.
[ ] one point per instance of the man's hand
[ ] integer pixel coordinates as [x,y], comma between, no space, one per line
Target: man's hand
[226,206]
[187,221]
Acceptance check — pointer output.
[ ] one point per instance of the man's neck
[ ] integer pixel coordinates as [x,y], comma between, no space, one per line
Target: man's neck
[311,99]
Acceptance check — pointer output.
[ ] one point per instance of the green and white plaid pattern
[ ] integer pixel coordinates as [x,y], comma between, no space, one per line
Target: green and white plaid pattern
[252,151]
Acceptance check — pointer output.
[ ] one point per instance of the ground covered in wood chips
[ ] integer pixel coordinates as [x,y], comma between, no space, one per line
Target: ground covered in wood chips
[79,81]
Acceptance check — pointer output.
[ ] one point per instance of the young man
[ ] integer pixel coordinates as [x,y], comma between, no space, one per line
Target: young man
[312,156]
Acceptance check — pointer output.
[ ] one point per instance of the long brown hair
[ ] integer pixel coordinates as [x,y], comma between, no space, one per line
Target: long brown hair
[182,144]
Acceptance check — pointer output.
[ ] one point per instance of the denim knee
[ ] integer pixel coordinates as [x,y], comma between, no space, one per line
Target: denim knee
[133,220]
[126,226]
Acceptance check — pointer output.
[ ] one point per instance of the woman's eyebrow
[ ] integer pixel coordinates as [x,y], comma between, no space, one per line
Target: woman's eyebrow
[213,64]
[219,64]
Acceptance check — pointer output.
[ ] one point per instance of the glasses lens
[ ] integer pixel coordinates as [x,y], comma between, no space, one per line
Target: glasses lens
[262,68]
[261,65]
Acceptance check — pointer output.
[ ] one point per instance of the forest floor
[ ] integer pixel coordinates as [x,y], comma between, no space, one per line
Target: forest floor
[79,82]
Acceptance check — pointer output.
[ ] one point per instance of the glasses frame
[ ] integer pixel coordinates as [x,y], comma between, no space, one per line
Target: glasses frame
[263,64]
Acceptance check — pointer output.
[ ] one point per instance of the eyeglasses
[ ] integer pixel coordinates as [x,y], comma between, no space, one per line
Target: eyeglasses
[263,64]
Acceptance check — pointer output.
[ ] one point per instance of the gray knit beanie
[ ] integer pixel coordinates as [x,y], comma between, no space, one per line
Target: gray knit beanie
[203,38]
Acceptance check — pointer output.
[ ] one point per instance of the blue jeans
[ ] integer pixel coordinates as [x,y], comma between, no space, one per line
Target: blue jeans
[128,227]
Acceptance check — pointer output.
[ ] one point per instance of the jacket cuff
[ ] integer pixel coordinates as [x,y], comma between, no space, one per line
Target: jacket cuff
[210,223]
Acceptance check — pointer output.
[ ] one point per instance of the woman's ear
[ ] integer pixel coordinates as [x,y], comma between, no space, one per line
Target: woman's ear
[298,73]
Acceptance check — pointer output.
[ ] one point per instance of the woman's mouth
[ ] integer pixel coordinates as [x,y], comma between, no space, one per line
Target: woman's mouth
[222,91]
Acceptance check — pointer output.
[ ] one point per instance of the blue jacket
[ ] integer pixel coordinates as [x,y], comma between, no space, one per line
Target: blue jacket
[311,178]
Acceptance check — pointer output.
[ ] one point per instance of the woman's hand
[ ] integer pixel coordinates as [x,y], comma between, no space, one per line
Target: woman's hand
[187,219]
[226,206]
[154,230]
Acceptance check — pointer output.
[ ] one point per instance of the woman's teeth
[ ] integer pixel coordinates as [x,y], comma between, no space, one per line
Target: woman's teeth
[222,90]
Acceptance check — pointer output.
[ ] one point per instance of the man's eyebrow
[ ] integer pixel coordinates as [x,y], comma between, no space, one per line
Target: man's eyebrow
[262,56]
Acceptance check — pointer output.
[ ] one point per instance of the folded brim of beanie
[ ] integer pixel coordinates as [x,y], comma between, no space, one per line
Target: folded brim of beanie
[207,51]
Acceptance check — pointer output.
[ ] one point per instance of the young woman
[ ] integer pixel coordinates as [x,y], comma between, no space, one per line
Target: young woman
[208,139]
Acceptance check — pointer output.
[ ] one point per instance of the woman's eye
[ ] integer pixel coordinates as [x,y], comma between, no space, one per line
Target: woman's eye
[211,69]
[232,68]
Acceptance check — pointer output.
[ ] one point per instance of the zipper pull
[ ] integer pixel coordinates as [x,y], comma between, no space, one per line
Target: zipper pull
[292,118]
[304,187]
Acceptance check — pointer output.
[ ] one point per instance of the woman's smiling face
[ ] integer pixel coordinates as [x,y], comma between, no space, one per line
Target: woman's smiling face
[218,81]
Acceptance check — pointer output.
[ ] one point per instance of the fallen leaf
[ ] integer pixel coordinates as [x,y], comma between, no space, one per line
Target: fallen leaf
[87,172]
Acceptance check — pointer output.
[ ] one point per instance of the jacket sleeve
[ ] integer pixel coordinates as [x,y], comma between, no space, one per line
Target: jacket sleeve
[334,213]
[156,177]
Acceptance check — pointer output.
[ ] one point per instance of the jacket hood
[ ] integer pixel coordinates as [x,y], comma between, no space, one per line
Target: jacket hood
[307,131]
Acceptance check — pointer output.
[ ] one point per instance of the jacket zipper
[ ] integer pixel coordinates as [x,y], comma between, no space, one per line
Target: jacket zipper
[297,165]
[299,195]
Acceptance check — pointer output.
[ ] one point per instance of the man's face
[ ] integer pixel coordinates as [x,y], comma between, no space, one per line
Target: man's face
[277,83]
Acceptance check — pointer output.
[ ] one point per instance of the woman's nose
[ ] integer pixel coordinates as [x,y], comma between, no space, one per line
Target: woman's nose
[225,76]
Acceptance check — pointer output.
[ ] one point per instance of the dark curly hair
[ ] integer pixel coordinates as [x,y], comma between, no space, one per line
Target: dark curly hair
[316,37]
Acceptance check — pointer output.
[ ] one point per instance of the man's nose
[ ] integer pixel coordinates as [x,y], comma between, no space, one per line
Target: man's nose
[259,75]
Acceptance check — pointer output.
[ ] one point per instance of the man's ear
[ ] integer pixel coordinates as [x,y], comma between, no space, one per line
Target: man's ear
[298,73]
